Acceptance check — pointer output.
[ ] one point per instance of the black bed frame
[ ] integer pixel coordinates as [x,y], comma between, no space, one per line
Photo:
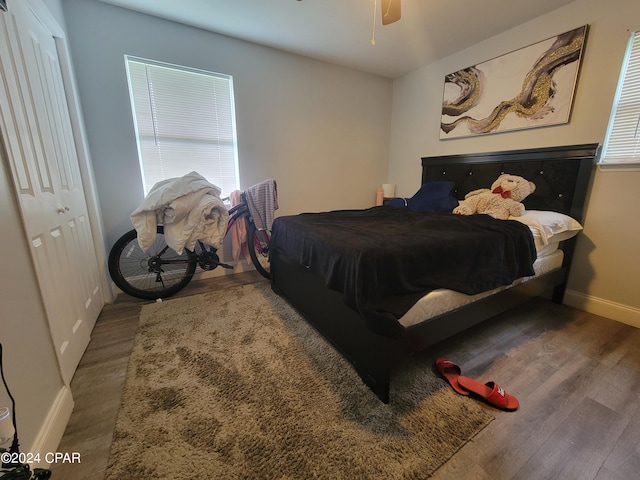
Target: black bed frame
[561,175]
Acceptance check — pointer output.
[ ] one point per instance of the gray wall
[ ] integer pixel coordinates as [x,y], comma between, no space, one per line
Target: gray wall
[30,364]
[606,268]
[321,131]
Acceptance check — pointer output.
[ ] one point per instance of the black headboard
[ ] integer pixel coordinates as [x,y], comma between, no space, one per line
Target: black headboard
[561,174]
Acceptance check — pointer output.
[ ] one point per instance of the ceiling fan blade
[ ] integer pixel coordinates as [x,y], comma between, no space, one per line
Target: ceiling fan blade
[390,11]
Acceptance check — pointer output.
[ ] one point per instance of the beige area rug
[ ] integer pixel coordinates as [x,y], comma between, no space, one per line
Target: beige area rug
[235,384]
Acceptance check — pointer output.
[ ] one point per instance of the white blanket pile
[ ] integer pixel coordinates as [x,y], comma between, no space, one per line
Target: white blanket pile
[190,209]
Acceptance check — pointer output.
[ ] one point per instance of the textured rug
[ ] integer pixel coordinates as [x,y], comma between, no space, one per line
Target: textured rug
[235,384]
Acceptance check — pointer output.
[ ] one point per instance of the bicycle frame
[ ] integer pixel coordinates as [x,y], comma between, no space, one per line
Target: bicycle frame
[236,214]
[159,272]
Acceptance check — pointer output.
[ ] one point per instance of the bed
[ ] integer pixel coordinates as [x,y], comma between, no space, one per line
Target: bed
[371,318]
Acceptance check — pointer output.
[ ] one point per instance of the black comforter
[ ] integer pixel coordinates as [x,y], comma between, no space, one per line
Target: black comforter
[384,259]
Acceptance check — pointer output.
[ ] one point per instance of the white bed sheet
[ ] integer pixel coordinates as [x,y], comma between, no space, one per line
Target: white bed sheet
[442,300]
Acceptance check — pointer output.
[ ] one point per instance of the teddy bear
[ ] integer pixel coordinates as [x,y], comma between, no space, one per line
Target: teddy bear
[501,201]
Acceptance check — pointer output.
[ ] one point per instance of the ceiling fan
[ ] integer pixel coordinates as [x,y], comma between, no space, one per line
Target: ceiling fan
[390,11]
[390,14]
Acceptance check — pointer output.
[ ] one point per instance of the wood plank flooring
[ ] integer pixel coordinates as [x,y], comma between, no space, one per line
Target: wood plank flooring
[577,377]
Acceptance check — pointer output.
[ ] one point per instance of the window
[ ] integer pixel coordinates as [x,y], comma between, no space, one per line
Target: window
[184,121]
[622,144]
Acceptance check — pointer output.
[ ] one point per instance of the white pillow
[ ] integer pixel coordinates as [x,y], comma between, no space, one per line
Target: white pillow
[549,226]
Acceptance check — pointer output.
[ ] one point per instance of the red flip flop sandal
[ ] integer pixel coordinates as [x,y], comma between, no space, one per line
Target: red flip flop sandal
[451,372]
[490,392]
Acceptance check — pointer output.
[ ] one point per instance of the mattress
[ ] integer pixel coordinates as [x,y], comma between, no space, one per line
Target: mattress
[384,259]
[441,300]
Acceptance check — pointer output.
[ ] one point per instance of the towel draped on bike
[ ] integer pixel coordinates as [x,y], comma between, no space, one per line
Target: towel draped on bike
[190,209]
[262,200]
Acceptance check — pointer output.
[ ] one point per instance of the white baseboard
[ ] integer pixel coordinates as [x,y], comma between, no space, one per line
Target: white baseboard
[604,308]
[48,439]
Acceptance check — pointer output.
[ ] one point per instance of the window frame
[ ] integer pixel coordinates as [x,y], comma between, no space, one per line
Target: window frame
[631,58]
[229,142]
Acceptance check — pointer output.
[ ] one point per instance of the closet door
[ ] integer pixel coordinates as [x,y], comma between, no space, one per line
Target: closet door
[39,145]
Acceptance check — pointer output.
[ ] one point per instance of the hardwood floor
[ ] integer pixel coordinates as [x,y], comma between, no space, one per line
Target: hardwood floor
[577,377]
[98,382]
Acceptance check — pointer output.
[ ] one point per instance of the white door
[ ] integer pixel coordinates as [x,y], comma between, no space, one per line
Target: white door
[38,140]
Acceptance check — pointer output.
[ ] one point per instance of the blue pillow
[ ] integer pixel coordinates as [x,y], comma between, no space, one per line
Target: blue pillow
[398,202]
[432,197]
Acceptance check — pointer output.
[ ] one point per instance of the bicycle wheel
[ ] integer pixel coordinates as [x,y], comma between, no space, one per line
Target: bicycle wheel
[258,244]
[157,273]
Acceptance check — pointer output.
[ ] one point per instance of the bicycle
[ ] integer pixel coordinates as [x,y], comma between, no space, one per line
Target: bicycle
[160,272]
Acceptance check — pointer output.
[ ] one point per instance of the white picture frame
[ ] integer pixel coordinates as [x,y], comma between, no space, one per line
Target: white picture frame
[527,88]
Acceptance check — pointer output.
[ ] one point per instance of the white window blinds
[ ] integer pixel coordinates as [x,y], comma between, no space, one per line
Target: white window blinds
[184,120]
[622,144]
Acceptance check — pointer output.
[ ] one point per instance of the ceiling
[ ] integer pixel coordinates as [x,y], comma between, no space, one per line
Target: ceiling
[341,31]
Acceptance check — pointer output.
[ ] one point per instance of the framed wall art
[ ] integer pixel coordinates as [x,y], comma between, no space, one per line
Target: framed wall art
[527,88]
